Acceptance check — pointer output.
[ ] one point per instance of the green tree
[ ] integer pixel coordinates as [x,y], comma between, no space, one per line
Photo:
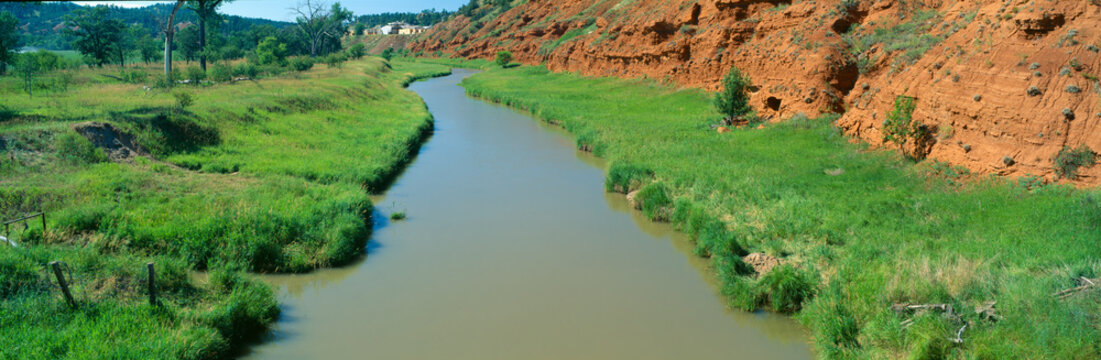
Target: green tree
[28,67]
[503,58]
[187,42]
[130,42]
[899,126]
[148,48]
[733,101]
[95,36]
[9,40]
[271,51]
[360,28]
[206,10]
[388,54]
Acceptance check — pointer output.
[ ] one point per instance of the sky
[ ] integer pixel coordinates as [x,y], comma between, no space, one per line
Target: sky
[280,9]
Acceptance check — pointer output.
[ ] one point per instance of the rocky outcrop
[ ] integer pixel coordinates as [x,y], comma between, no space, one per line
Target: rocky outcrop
[992,78]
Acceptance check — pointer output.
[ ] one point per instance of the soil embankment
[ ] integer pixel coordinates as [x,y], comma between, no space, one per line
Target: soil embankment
[1004,85]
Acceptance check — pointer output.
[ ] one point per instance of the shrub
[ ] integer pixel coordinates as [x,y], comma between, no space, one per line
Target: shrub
[503,58]
[623,178]
[1034,91]
[784,289]
[271,52]
[221,73]
[357,51]
[76,149]
[1070,159]
[246,69]
[335,60]
[1073,89]
[301,63]
[183,99]
[133,76]
[900,128]
[732,101]
[397,215]
[195,74]
[387,54]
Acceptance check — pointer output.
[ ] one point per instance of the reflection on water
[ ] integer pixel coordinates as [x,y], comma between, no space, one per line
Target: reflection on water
[513,251]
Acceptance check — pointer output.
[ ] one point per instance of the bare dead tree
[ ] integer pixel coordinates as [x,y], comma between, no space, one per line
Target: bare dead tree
[316,20]
[169,29]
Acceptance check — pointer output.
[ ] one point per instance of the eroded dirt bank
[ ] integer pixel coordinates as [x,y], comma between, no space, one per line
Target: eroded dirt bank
[994,80]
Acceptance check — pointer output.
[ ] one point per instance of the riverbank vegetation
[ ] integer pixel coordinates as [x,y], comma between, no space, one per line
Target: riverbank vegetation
[880,257]
[268,174]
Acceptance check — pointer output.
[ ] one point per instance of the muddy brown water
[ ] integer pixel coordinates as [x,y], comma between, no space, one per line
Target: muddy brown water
[512,250]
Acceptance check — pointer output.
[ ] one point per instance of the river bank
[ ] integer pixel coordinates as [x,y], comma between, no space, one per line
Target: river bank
[512,250]
[860,231]
[271,174]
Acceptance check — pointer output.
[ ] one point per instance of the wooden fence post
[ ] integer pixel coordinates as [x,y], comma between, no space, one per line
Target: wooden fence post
[61,282]
[43,224]
[152,284]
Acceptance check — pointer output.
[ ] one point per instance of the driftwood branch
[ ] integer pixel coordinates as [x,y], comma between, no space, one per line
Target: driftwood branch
[1086,285]
[904,308]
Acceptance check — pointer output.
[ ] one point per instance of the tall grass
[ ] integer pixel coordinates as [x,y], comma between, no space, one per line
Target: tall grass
[884,231]
[195,320]
[268,175]
[271,181]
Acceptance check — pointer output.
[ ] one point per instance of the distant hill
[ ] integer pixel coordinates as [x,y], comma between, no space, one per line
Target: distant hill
[42,22]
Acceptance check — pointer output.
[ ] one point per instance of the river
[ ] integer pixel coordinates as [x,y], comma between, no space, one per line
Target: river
[512,250]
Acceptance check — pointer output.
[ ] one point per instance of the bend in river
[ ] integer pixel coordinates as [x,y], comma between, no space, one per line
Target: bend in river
[512,250]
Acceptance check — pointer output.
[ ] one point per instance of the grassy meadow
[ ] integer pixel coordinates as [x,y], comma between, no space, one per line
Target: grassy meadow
[858,230]
[270,174]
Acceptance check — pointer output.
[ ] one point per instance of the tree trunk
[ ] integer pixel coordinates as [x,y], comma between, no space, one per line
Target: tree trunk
[170,29]
[202,43]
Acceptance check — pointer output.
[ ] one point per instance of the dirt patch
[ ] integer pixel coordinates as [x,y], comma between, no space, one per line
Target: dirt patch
[762,263]
[118,144]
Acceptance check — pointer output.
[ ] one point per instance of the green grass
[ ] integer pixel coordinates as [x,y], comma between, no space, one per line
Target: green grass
[452,62]
[884,231]
[271,181]
[271,175]
[113,319]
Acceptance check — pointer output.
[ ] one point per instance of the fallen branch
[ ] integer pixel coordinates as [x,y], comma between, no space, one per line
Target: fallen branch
[1087,284]
[902,308]
[959,335]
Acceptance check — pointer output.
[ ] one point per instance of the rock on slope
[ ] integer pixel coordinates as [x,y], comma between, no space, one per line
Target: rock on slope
[994,79]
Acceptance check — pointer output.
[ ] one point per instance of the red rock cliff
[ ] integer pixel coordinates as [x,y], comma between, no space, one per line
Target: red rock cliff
[1003,85]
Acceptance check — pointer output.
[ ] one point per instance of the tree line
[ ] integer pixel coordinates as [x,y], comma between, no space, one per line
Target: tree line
[104,39]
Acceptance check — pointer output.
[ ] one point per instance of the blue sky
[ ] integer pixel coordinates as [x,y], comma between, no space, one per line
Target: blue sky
[279,9]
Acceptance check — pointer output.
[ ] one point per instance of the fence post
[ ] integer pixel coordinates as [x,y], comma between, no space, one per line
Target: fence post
[43,224]
[61,282]
[152,284]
